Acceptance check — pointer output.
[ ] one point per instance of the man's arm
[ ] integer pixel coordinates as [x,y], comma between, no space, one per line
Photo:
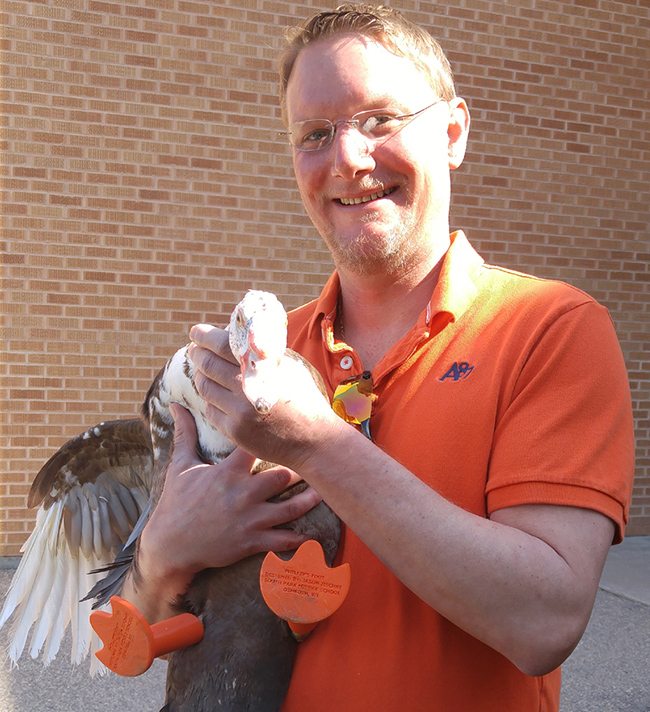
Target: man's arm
[523,581]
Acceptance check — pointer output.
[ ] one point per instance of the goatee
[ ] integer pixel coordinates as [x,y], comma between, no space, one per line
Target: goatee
[369,253]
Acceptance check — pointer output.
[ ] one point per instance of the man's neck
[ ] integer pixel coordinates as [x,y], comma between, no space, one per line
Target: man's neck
[377,311]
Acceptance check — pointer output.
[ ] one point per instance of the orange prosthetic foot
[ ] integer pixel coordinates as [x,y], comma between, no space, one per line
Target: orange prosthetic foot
[131,644]
[303,590]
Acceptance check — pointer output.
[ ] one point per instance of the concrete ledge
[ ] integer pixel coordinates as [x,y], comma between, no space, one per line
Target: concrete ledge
[9,562]
[627,570]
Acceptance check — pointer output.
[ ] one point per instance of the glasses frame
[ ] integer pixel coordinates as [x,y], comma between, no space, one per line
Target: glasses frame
[356,122]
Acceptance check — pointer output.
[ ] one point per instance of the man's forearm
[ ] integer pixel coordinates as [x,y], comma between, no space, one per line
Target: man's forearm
[513,583]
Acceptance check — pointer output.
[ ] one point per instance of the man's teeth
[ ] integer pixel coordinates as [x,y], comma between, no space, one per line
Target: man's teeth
[366,198]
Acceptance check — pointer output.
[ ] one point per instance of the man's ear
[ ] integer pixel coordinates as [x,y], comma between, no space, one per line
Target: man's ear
[457,131]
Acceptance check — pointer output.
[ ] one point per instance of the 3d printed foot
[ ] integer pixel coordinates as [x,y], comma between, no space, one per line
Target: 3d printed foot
[303,590]
[131,643]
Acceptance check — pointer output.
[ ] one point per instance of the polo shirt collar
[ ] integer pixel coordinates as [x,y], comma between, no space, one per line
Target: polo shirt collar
[326,304]
[457,286]
[456,289]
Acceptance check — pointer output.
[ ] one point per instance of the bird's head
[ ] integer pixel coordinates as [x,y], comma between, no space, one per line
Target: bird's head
[258,340]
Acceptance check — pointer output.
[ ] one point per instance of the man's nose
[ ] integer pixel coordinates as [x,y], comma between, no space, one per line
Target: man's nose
[352,152]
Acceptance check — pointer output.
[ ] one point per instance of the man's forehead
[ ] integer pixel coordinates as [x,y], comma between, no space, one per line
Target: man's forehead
[351,68]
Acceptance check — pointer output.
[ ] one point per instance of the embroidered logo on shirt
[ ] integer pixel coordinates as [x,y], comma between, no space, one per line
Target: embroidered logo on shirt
[458,371]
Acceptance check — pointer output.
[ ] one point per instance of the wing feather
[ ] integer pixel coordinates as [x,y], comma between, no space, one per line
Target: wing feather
[51,627]
[121,520]
[89,496]
[80,614]
[86,544]
[128,502]
[72,521]
[106,533]
[45,623]
[29,586]
[119,447]
[59,623]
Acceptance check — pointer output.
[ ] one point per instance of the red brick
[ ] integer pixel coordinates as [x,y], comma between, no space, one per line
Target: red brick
[144,189]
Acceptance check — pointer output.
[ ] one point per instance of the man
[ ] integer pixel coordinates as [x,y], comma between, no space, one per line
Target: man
[479,516]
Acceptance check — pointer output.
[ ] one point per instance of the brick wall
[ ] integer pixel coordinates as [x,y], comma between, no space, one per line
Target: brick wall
[144,189]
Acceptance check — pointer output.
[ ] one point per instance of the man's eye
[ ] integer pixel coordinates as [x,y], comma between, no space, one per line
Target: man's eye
[378,123]
[315,136]
[383,118]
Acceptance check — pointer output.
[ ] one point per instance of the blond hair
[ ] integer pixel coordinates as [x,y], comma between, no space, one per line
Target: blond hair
[380,23]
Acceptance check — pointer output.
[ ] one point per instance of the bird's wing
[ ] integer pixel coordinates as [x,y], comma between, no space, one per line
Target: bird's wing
[172,383]
[89,496]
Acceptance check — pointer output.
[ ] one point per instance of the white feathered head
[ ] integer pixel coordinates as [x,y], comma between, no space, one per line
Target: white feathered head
[258,340]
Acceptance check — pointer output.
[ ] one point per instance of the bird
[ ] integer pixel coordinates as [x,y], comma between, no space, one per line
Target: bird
[96,493]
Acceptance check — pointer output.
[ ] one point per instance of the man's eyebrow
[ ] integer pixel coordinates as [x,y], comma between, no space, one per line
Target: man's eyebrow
[384,102]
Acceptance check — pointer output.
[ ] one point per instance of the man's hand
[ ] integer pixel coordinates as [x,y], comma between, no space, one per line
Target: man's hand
[210,516]
[296,423]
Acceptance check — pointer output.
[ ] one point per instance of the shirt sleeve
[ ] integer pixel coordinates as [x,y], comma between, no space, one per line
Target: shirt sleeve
[566,436]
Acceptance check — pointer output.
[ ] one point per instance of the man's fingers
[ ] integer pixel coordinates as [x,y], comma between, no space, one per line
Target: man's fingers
[270,483]
[213,339]
[214,389]
[282,540]
[215,367]
[274,481]
[213,373]
[296,506]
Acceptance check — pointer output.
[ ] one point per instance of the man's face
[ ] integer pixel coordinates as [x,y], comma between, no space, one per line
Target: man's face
[403,182]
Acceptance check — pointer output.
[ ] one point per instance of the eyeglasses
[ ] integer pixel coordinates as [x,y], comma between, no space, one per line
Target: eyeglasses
[375,124]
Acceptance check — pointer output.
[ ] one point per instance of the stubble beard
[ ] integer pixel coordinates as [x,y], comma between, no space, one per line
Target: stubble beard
[368,254]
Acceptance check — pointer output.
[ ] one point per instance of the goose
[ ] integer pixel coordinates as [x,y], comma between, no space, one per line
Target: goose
[94,496]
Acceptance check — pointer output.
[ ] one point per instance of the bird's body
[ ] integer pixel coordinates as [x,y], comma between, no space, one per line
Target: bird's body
[95,495]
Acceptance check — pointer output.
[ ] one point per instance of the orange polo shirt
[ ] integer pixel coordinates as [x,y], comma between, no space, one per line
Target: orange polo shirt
[508,390]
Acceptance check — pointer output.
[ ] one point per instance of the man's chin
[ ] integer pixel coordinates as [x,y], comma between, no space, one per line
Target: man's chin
[375,247]
[365,256]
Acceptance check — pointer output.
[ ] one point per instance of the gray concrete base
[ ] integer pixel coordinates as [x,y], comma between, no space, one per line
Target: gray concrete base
[608,672]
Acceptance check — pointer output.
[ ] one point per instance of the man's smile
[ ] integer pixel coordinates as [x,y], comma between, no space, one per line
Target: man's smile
[366,198]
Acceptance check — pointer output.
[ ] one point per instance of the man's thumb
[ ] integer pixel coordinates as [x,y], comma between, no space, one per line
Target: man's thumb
[185,435]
